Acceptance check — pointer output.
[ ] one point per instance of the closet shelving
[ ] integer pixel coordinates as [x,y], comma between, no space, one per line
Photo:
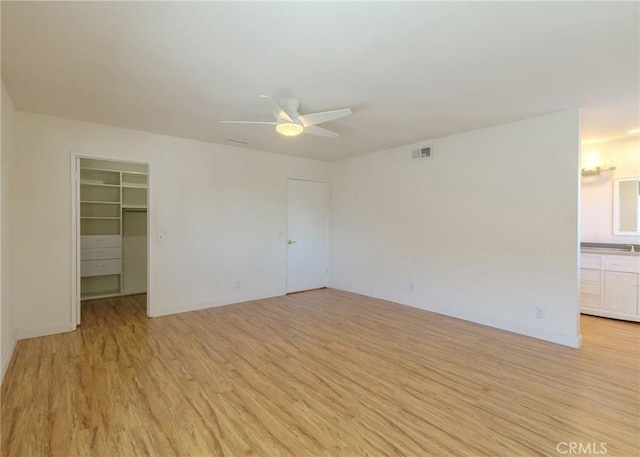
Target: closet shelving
[100,211]
[134,190]
[107,189]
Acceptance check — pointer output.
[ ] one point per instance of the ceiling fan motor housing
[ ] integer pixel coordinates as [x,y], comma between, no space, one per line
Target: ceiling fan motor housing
[290,106]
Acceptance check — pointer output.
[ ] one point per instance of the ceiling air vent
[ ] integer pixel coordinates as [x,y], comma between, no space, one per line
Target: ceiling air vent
[424,153]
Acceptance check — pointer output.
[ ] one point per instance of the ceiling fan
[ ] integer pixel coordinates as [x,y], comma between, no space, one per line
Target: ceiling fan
[289,122]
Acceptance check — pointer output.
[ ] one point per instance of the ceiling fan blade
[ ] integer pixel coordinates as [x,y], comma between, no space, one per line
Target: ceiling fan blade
[277,111]
[319,131]
[248,122]
[325,116]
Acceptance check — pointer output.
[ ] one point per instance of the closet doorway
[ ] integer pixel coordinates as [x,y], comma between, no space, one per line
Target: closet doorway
[111,229]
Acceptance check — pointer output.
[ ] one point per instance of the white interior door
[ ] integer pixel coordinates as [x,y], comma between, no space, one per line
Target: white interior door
[307,235]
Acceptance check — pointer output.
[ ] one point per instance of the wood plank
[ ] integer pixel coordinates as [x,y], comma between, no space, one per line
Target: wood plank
[319,373]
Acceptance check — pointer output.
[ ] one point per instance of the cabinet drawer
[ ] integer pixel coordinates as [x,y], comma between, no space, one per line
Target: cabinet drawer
[590,288]
[622,263]
[590,275]
[100,241]
[593,261]
[100,253]
[590,300]
[100,267]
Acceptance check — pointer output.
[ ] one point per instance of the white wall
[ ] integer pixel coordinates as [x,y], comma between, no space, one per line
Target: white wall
[7,321]
[221,209]
[597,191]
[486,230]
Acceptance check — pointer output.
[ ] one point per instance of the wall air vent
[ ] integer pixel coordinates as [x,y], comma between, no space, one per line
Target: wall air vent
[423,153]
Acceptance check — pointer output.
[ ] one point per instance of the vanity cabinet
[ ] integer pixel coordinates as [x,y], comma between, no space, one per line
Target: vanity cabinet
[610,286]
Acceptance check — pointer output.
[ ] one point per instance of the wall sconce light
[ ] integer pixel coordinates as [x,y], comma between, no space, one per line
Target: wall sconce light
[595,171]
[592,166]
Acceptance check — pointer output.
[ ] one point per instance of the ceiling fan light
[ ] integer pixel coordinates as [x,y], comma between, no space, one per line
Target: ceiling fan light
[289,128]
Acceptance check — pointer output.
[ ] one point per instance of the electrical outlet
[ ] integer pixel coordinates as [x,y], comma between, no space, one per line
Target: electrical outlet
[597,236]
[539,312]
[237,284]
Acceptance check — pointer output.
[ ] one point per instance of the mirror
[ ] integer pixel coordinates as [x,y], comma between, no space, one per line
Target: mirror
[626,206]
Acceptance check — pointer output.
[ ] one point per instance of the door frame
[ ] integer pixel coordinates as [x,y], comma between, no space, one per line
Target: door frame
[74,162]
[286,231]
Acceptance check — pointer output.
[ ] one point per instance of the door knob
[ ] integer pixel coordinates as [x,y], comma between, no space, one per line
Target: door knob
[291,241]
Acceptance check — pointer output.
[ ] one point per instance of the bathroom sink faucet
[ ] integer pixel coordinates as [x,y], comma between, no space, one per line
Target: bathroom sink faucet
[633,247]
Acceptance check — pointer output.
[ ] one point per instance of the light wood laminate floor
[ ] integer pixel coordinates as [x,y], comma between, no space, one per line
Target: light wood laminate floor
[320,373]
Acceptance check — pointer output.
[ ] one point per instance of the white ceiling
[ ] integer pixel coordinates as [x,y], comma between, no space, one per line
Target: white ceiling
[409,71]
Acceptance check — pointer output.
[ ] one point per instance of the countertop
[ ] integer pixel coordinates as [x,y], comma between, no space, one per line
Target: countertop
[609,251]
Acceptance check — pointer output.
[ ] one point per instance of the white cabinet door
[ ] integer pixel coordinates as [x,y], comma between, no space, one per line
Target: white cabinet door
[621,292]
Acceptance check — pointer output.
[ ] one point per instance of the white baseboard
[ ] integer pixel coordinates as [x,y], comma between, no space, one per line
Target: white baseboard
[222,301]
[24,333]
[539,333]
[514,327]
[134,292]
[7,358]
[610,314]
